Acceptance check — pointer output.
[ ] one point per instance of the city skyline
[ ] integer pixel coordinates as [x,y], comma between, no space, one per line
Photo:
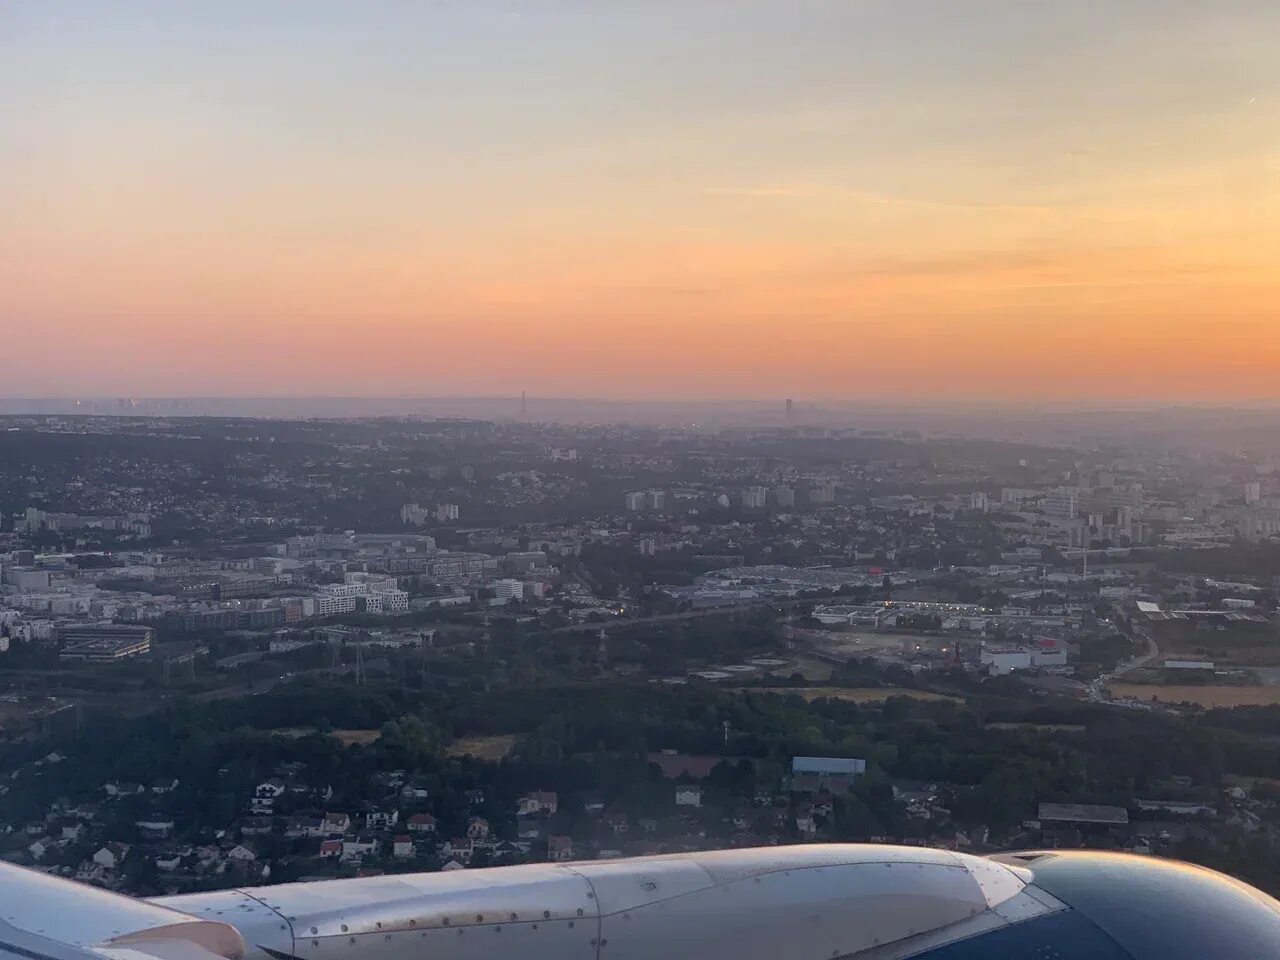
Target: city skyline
[638,201]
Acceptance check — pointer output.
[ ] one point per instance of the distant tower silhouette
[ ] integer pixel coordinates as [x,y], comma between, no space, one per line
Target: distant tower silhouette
[602,651]
[791,411]
[524,406]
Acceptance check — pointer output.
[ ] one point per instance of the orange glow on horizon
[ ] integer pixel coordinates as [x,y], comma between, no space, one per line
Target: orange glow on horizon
[188,222]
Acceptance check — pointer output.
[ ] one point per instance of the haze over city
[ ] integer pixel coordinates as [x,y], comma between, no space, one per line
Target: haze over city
[640,200]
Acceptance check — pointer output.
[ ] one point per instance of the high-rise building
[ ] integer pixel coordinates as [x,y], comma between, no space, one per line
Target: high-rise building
[1063,503]
[785,497]
[635,501]
[979,500]
[413,514]
[1252,492]
[657,499]
[791,411]
[823,493]
[755,498]
[1125,517]
[446,512]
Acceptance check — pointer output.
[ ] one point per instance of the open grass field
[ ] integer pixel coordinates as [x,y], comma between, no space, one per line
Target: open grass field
[293,733]
[811,668]
[1255,696]
[851,694]
[482,748]
[346,737]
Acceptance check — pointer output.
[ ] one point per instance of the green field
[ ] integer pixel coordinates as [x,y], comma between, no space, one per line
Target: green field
[1243,644]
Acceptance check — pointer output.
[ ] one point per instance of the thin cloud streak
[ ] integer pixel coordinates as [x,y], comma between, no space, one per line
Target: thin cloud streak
[878,199]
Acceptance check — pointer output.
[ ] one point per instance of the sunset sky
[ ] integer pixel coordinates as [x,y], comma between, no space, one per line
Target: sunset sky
[642,198]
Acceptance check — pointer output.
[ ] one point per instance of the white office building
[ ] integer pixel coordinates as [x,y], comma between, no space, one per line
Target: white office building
[1001,661]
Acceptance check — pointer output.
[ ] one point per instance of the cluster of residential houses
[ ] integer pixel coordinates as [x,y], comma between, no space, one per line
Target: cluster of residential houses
[379,832]
[401,829]
[399,832]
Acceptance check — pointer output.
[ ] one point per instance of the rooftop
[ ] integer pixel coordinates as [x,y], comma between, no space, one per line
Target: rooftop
[1083,813]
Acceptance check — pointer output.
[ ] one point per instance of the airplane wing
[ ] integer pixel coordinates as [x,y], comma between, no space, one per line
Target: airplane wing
[811,902]
[47,918]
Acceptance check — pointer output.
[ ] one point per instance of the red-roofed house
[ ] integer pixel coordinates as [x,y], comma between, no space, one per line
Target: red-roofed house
[422,823]
[460,849]
[338,823]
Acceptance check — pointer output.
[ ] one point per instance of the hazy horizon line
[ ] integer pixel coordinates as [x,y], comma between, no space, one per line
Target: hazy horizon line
[940,403]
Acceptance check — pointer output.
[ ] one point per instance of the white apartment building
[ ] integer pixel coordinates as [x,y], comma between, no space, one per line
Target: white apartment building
[376,593]
[413,514]
[508,589]
[1063,503]
[823,493]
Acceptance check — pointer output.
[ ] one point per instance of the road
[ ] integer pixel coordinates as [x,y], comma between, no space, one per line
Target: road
[1094,690]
